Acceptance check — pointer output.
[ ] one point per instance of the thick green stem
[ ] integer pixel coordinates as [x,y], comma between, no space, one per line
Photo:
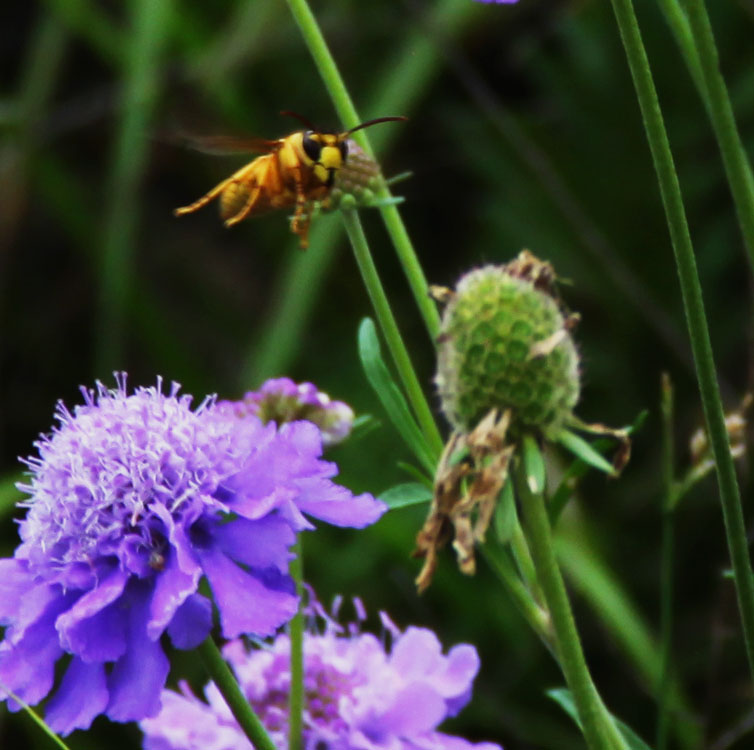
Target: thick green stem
[598,728]
[344,106]
[226,683]
[695,316]
[390,330]
[296,635]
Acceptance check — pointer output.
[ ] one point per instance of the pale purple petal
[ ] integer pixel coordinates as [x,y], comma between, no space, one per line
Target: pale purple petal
[82,695]
[336,505]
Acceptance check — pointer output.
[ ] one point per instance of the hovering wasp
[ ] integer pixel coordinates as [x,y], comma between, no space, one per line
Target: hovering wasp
[293,171]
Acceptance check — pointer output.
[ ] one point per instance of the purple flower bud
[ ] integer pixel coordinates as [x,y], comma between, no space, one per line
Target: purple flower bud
[281,400]
[132,500]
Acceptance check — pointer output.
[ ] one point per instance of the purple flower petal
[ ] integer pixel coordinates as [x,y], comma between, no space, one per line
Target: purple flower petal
[172,587]
[139,675]
[336,505]
[16,586]
[258,544]
[192,622]
[246,603]
[82,695]
[94,627]
[27,665]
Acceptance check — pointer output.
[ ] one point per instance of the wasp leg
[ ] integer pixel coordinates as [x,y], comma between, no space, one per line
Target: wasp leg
[255,194]
[204,200]
[302,218]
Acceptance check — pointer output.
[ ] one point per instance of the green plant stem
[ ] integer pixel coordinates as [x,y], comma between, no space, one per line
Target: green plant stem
[226,683]
[737,167]
[666,563]
[598,728]
[535,615]
[344,106]
[390,330]
[150,23]
[695,316]
[296,635]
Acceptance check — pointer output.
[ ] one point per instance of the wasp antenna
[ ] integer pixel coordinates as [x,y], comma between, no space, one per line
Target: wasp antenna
[288,113]
[366,124]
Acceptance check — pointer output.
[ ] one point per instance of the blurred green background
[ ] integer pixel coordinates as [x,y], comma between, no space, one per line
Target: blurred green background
[524,132]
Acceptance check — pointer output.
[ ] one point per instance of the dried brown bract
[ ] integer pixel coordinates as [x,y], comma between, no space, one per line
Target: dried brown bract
[472,471]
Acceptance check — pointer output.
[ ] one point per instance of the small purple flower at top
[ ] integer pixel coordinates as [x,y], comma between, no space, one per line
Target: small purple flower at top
[498,2]
[132,500]
[359,695]
[282,400]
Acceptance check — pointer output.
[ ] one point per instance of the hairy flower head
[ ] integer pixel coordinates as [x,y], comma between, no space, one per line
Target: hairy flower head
[359,694]
[132,500]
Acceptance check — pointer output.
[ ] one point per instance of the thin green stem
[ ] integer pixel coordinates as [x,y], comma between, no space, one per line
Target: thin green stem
[226,683]
[390,330]
[666,563]
[150,21]
[344,106]
[737,167]
[296,635]
[695,316]
[599,730]
[534,614]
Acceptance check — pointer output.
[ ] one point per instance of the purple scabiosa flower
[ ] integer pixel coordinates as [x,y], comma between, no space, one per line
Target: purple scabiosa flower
[359,695]
[281,400]
[132,499]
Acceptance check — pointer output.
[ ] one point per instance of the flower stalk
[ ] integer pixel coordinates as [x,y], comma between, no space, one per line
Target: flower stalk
[221,675]
[346,110]
[296,634]
[695,315]
[720,110]
[390,329]
[598,728]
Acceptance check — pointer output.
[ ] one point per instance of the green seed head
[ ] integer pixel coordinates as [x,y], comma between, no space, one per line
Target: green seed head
[505,343]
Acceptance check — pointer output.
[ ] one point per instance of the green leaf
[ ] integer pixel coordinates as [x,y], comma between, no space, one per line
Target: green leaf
[390,395]
[563,697]
[534,465]
[403,495]
[505,513]
[415,472]
[583,450]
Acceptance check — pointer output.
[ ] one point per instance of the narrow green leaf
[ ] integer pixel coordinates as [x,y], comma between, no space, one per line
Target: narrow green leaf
[505,513]
[390,395]
[534,465]
[563,697]
[415,472]
[583,450]
[403,495]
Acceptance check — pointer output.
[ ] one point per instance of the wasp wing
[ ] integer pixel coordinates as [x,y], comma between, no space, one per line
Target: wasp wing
[223,145]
